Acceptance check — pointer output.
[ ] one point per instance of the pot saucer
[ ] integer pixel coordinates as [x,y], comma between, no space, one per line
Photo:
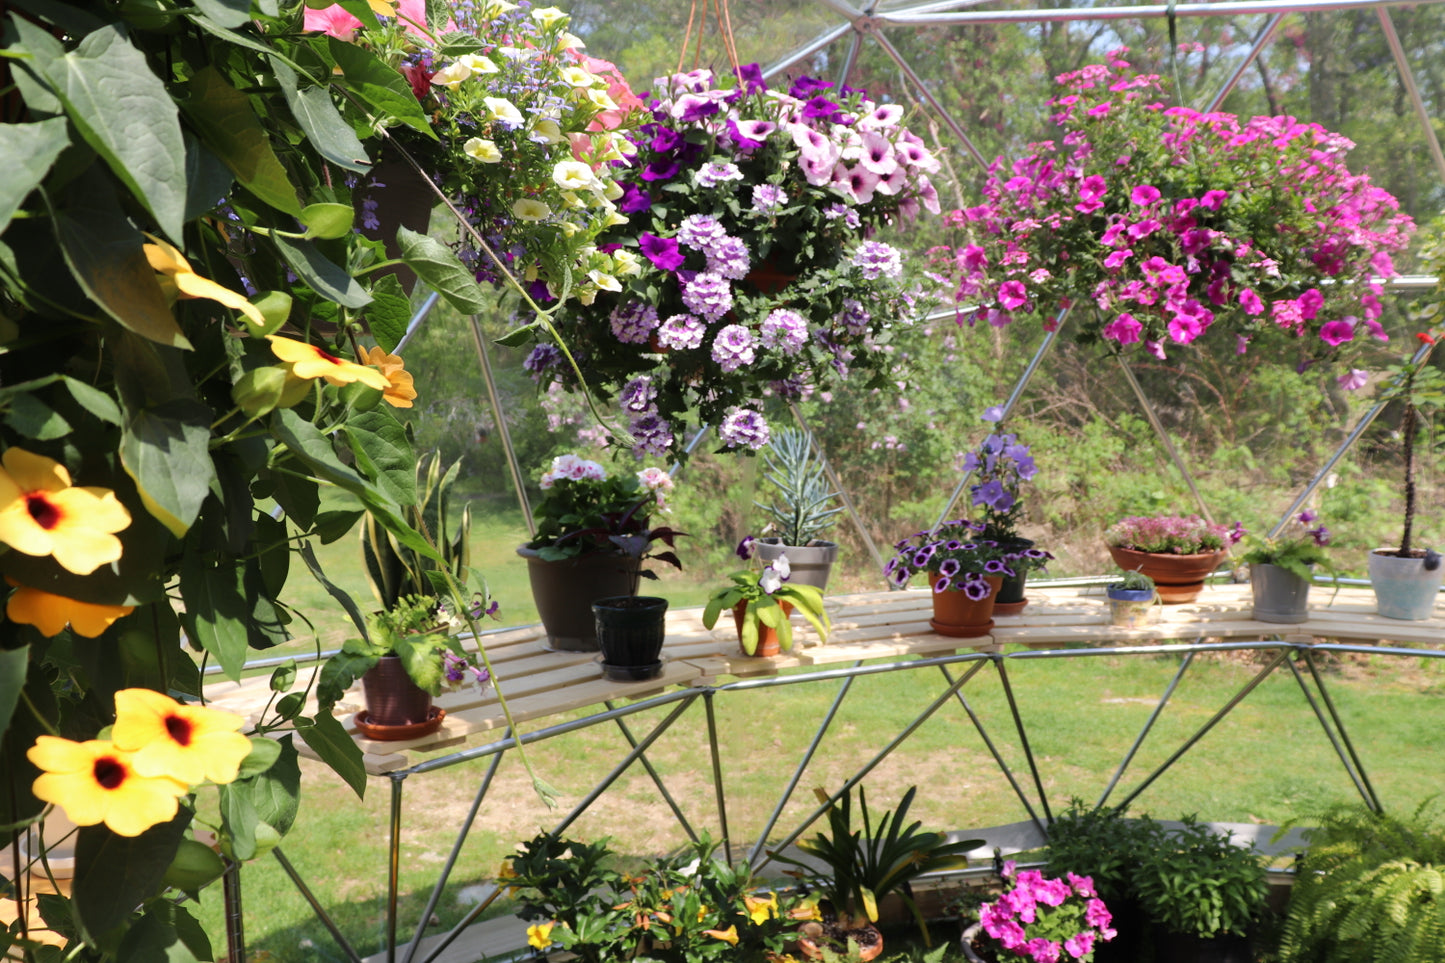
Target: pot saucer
[1009,608]
[961,631]
[630,673]
[408,730]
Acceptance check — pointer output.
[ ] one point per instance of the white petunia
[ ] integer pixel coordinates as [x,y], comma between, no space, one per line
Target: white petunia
[503,109]
[577,77]
[604,281]
[548,130]
[549,17]
[574,176]
[478,64]
[482,150]
[600,100]
[452,75]
[529,209]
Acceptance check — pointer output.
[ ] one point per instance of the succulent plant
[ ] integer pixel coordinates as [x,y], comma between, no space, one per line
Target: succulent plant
[801,510]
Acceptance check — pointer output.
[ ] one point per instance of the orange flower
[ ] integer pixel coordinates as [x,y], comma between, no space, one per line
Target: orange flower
[178,275]
[729,935]
[41,513]
[95,782]
[400,393]
[309,361]
[51,613]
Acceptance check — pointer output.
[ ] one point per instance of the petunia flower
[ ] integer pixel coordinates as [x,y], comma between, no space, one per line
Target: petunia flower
[400,393]
[309,361]
[51,613]
[94,782]
[41,513]
[165,738]
[177,274]
[483,150]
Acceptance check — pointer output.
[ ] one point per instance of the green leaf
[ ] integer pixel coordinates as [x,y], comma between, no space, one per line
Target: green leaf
[384,452]
[275,307]
[124,112]
[26,153]
[105,255]
[222,115]
[389,313]
[327,220]
[517,336]
[95,401]
[114,874]
[360,9]
[33,418]
[343,598]
[326,278]
[227,13]
[13,665]
[208,179]
[276,793]
[440,268]
[330,741]
[166,451]
[379,84]
[196,865]
[238,820]
[42,50]
[216,610]
[264,753]
[328,132]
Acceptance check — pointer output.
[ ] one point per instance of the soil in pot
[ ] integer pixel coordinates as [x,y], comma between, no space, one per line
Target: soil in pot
[630,631]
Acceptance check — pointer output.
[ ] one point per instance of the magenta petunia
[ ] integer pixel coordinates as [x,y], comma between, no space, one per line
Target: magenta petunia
[662,252]
[1334,333]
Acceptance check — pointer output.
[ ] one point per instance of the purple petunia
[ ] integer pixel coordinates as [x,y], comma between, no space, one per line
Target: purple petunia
[542,358]
[661,251]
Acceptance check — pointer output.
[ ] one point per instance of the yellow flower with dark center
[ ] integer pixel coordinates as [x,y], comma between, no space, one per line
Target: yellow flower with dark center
[309,361]
[761,910]
[51,613]
[729,935]
[187,743]
[95,782]
[400,393]
[539,935]
[41,513]
[177,274]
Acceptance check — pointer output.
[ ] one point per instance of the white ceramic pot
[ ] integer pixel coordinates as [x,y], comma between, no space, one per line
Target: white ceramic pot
[1404,587]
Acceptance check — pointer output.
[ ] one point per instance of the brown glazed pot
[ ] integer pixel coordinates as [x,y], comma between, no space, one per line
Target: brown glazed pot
[396,707]
[1177,578]
[960,617]
[564,592]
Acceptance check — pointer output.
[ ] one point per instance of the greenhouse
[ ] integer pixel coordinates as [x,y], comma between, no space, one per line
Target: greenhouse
[752,480]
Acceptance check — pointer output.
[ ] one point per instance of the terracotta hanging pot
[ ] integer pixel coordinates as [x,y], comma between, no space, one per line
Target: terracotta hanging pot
[1177,578]
[960,617]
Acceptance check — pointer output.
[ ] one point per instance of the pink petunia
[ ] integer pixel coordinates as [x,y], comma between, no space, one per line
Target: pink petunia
[1335,333]
[1123,329]
[1144,194]
[1012,295]
[1250,302]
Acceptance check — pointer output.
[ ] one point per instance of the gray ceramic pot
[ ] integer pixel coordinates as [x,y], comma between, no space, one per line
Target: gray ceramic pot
[811,563]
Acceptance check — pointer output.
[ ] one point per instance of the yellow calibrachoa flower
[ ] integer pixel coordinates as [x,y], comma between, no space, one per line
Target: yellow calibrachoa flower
[308,361]
[176,272]
[95,782]
[401,392]
[729,935]
[551,132]
[478,64]
[761,910]
[549,16]
[539,935]
[483,150]
[187,743]
[51,613]
[41,513]
[503,109]
[529,209]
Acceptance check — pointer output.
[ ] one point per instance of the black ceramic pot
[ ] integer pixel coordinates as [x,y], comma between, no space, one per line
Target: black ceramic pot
[630,633]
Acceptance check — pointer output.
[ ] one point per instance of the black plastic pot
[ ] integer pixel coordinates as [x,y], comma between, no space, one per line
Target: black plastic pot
[630,632]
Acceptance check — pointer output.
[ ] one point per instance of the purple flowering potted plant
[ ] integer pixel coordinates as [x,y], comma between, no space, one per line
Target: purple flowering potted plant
[762,600]
[509,122]
[999,466]
[1170,223]
[1177,551]
[1040,918]
[594,531]
[964,570]
[746,269]
[1281,569]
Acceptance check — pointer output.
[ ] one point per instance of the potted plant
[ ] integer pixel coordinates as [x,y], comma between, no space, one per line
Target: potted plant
[1407,580]
[1000,465]
[803,508]
[1176,224]
[863,865]
[1282,568]
[688,907]
[1131,599]
[1177,551]
[406,657]
[594,531]
[761,600]
[744,267]
[630,633]
[1202,893]
[1040,918]
[1368,887]
[964,570]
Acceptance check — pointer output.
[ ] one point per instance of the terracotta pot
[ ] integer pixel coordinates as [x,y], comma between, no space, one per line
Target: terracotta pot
[768,645]
[1177,578]
[564,592]
[960,617]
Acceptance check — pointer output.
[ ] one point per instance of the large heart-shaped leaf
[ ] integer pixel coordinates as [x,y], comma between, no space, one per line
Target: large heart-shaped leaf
[216,610]
[123,110]
[166,450]
[114,874]
[379,84]
[328,132]
[26,153]
[223,116]
[322,275]
[439,267]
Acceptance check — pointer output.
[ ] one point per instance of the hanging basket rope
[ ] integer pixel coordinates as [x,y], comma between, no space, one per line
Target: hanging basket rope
[724,25]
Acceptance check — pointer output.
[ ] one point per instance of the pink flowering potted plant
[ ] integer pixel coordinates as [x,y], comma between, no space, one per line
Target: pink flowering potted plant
[1166,225]
[594,531]
[1177,551]
[1040,918]
[746,268]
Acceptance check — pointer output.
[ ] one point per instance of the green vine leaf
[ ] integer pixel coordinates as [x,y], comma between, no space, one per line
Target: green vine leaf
[379,85]
[330,741]
[114,874]
[440,269]
[223,116]
[26,153]
[326,278]
[328,132]
[166,451]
